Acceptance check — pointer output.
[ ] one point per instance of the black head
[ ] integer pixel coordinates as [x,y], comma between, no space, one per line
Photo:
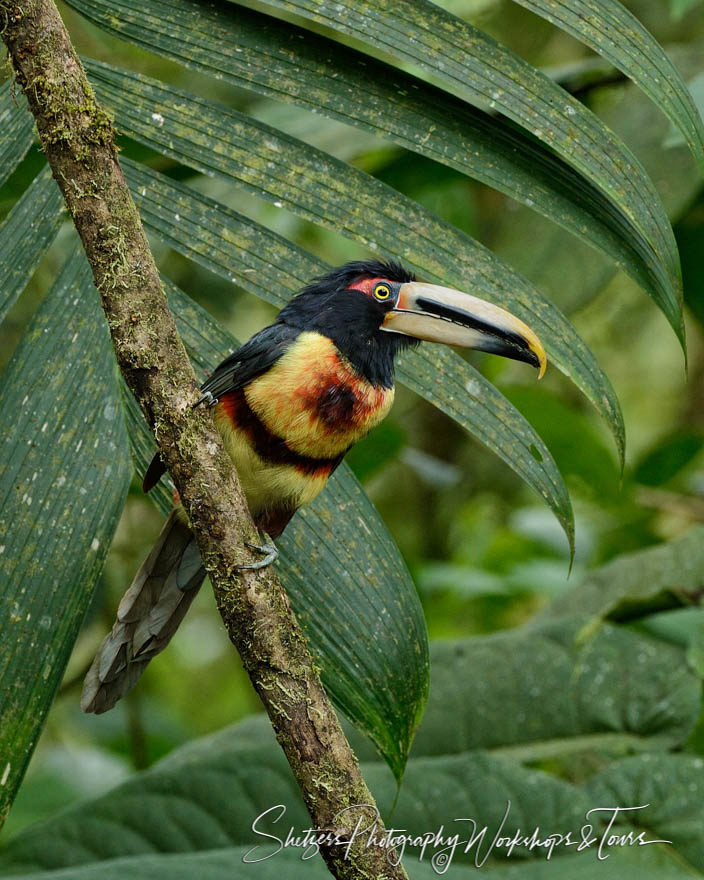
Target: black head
[349,305]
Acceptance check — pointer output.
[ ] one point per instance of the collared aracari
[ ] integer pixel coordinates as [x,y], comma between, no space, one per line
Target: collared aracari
[289,404]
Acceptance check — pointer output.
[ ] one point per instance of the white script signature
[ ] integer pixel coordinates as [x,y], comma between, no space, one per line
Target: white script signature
[363,829]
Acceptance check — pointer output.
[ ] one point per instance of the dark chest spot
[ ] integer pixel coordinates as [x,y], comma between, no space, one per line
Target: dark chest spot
[337,404]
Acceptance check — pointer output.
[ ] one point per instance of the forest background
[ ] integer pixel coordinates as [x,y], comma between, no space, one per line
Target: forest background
[487,556]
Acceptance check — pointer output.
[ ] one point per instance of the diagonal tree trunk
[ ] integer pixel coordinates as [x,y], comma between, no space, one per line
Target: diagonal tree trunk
[77,137]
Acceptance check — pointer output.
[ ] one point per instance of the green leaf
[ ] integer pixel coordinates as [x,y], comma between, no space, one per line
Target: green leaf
[344,575]
[25,236]
[615,33]
[326,191]
[64,473]
[16,129]
[216,786]
[221,864]
[349,587]
[669,457]
[215,797]
[470,63]
[673,787]
[695,645]
[233,247]
[252,50]
[564,269]
[615,692]
[227,864]
[445,380]
[667,576]
[329,192]
[577,446]
[638,121]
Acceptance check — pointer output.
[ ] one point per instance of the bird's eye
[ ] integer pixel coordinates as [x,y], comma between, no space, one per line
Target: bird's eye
[382,291]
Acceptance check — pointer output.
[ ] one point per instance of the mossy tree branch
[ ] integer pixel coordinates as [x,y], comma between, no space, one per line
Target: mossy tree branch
[77,138]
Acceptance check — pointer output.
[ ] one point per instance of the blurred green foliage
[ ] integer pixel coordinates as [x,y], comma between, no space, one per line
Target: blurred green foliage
[485,554]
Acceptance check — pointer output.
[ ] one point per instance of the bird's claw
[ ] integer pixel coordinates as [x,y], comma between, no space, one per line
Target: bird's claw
[267,547]
[206,398]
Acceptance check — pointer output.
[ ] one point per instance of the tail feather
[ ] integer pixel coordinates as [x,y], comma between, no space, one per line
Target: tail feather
[147,617]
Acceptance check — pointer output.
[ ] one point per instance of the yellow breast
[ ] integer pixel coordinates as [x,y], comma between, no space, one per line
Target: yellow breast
[268,484]
[315,400]
[287,429]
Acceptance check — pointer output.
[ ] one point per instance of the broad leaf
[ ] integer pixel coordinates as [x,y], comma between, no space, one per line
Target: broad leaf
[616,34]
[468,62]
[25,235]
[232,246]
[351,591]
[220,864]
[254,50]
[617,691]
[673,787]
[228,864]
[64,472]
[217,786]
[666,576]
[332,193]
[344,575]
[557,265]
[326,191]
[16,130]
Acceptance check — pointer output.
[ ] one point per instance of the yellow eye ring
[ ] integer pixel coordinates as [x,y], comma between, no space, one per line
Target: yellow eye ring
[382,291]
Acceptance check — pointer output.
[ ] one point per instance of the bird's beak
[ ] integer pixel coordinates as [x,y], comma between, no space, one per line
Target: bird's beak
[441,314]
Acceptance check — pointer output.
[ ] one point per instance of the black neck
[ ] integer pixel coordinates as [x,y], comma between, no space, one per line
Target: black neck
[352,322]
[374,358]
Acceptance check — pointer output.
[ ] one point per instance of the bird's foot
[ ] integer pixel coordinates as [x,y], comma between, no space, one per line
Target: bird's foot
[267,548]
[206,398]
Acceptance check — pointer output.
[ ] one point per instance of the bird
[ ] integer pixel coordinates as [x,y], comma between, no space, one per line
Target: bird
[289,403]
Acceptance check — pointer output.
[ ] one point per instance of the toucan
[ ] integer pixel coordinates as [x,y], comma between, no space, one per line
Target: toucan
[289,404]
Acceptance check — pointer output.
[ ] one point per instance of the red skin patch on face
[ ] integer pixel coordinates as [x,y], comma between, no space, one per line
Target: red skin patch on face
[367,285]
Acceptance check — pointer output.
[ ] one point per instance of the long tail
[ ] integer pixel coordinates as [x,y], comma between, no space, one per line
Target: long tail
[148,616]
